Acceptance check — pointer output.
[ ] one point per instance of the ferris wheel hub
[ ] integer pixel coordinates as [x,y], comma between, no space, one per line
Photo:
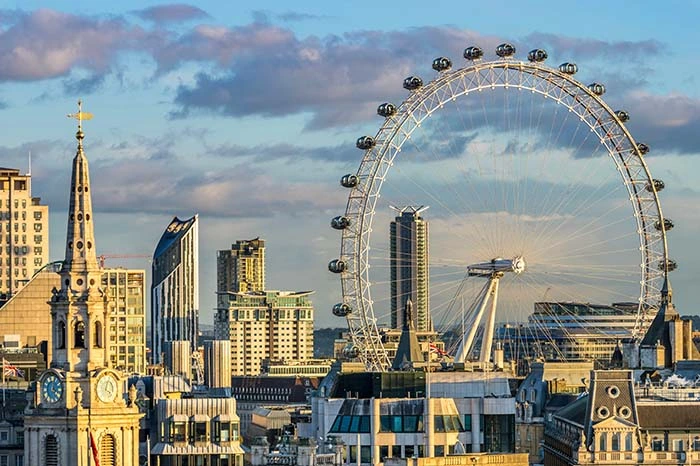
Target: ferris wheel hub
[497,266]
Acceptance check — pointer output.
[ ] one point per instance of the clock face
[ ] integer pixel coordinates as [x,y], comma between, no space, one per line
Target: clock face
[51,388]
[107,388]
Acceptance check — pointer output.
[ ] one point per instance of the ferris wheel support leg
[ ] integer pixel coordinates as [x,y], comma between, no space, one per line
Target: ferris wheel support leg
[487,340]
[468,338]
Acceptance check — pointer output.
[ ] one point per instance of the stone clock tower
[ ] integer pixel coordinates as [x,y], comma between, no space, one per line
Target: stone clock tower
[80,396]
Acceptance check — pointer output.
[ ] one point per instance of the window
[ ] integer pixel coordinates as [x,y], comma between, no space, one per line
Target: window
[467,422]
[396,451]
[615,443]
[439,450]
[602,442]
[383,452]
[107,451]
[51,451]
[499,433]
[97,337]
[657,444]
[178,432]
[4,435]
[628,441]
[19,460]
[199,431]
[4,460]
[79,335]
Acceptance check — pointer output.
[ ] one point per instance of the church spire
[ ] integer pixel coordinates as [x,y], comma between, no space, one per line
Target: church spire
[80,237]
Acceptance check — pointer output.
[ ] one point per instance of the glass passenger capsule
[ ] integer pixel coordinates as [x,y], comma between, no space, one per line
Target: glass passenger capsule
[351,352]
[597,88]
[341,310]
[387,109]
[668,224]
[336,266]
[622,115]
[349,181]
[537,55]
[473,53]
[365,142]
[442,64]
[412,83]
[642,148]
[340,222]
[568,68]
[505,50]
[670,265]
[658,185]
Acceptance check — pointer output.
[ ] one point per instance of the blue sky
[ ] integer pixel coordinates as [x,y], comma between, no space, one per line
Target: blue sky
[248,116]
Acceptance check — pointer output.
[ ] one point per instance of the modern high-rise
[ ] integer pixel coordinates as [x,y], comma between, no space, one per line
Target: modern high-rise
[273,325]
[408,238]
[241,268]
[175,287]
[24,232]
[126,304]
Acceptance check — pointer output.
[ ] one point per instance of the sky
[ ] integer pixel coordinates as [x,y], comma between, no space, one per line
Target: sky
[247,114]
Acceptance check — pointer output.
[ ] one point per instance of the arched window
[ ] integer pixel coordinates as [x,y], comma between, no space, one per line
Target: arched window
[51,450]
[107,451]
[603,442]
[79,335]
[97,336]
[615,443]
[61,335]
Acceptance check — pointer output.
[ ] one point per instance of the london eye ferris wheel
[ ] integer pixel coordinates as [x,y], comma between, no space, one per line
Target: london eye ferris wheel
[537,191]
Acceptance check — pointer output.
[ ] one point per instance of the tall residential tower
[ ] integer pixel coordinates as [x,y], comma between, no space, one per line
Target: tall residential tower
[24,232]
[175,287]
[241,268]
[408,239]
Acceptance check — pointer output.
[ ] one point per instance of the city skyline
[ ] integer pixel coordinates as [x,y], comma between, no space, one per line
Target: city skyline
[268,165]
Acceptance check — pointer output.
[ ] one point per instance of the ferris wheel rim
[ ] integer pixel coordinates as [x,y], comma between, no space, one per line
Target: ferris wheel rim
[420,105]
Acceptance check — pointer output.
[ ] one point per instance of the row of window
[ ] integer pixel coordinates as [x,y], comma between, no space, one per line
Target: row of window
[37,227]
[38,250]
[200,431]
[37,239]
[395,424]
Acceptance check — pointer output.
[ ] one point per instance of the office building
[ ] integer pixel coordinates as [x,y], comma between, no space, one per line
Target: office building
[175,287]
[273,325]
[126,302]
[241,268]
[196,431]
[409,278]
[24,232]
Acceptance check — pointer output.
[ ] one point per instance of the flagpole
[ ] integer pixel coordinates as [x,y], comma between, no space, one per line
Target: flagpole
[3,382]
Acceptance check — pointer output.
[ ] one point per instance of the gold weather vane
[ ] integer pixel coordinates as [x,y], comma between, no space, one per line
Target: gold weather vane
[80,116]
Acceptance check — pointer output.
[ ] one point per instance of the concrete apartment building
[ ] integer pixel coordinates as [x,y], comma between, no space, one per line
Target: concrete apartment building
[274,325]
[241,268]
[24,232]
[126,301]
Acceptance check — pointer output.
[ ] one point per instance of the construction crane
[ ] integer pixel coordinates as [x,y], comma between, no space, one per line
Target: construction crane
[103,257]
